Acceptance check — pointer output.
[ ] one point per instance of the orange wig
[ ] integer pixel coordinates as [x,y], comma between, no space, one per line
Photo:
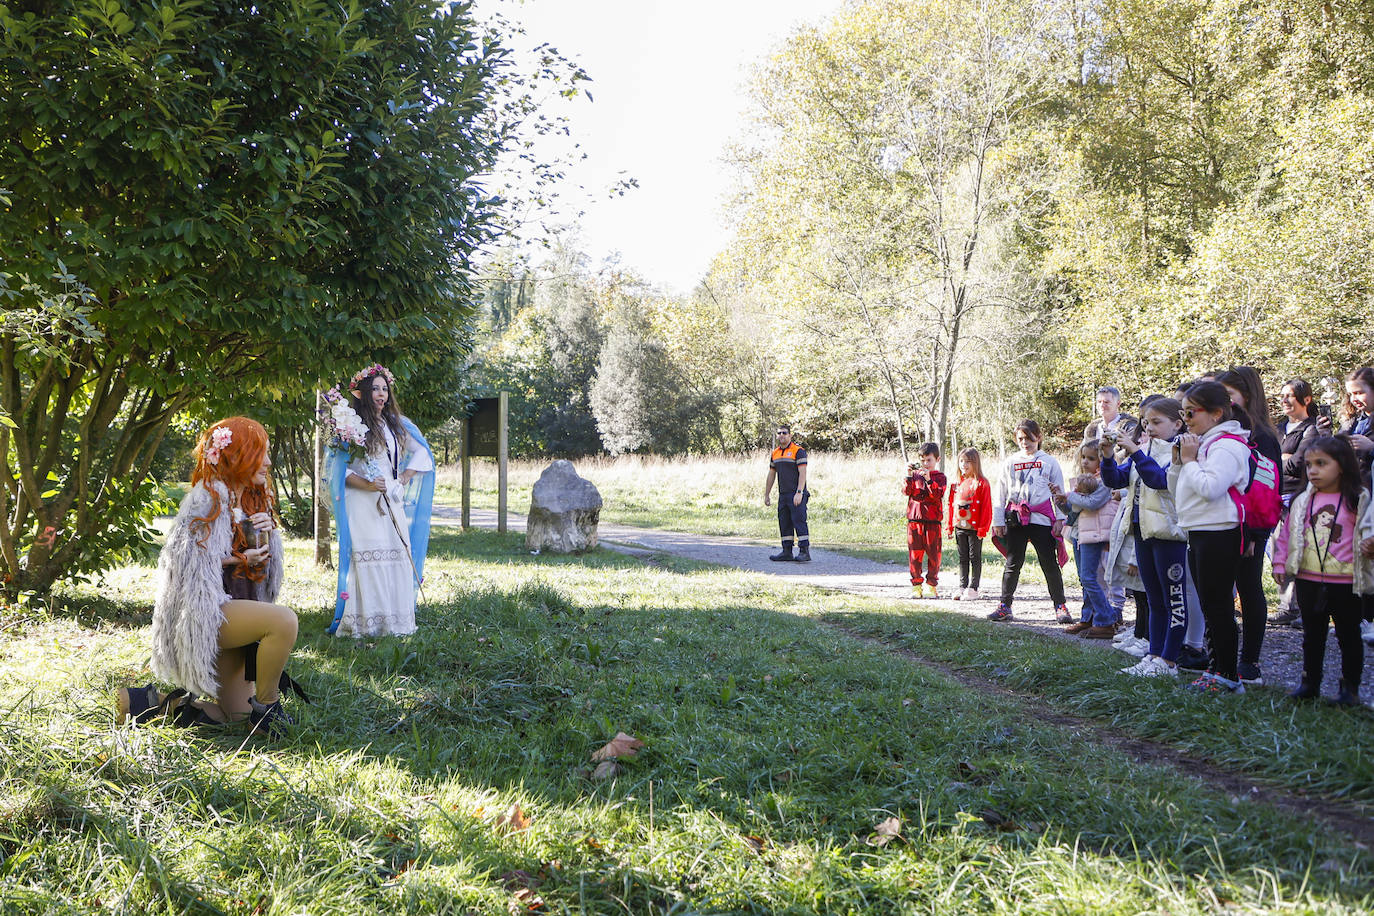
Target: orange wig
[231,451]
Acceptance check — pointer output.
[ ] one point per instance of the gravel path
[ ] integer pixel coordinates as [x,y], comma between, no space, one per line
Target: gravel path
[1280,656]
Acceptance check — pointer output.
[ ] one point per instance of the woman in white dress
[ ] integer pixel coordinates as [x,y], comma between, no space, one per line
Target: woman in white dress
[382,503]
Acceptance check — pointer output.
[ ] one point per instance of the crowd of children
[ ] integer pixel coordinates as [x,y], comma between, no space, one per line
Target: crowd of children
[1179,509]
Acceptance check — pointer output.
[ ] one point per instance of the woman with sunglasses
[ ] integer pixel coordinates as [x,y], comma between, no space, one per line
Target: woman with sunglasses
[1211,458]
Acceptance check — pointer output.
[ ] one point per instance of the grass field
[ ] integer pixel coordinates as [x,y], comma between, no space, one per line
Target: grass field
[781,727]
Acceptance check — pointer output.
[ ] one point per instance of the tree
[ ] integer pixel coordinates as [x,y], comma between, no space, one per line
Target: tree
[256,196]
[870,200]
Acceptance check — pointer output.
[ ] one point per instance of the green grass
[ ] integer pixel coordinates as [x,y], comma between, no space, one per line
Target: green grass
[774,744]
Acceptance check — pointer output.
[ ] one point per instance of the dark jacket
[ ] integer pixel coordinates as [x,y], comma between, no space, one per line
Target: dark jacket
[1294,444]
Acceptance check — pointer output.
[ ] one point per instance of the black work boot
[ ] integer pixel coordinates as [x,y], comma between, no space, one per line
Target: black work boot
[1347,695]
[804,552]
[784,554]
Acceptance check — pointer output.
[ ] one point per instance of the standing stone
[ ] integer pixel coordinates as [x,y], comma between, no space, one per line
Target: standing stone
[564,510]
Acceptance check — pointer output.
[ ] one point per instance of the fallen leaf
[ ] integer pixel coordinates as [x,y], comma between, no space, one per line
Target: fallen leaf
[513,880]
[525,900]
[885,832]
[622,745]
[513,819]
[607,769]
[756,843]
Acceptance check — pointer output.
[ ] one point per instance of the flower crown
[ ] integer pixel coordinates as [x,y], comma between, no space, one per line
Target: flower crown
[220,438]
[365,374]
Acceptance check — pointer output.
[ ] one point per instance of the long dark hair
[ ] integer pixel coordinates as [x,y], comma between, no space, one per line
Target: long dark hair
[1365,376]
[1214,396]
[1247,381]
[390,415]
[1342,452]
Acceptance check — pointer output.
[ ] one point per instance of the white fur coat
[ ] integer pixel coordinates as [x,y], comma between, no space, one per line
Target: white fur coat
[190,590]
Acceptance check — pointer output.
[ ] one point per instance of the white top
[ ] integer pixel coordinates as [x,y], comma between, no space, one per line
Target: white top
[1027,478]
[1201,488]
[420,461]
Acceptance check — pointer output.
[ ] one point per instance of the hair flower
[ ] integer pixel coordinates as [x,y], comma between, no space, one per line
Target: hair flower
[221,437]
[212,455]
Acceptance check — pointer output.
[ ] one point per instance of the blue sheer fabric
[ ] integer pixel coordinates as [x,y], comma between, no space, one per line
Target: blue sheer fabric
[419,505]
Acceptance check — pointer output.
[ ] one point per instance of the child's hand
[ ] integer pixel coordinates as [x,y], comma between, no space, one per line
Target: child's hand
[1132,570]
[1060,499]
[1367,548]
[1188,446]
[1278,573]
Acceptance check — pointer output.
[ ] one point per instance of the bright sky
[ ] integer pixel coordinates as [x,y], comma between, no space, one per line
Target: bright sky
[668,96]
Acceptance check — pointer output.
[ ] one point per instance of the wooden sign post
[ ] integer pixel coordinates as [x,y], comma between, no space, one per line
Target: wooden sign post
[485,435]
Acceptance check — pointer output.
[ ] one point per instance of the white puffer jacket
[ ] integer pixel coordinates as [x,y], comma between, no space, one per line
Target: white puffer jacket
[1201,488]
[1158,514]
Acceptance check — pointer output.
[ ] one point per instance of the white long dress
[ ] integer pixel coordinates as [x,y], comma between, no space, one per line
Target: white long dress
[381,579]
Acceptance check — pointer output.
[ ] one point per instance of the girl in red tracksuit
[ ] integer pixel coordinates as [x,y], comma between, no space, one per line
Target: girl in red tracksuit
[925,489]
[968,519]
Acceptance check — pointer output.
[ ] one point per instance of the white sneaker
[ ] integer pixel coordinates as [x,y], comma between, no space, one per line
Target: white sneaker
[956,594]
[971,594]
[1151,666]
[1122,635]
[1367,631]
[1136,648]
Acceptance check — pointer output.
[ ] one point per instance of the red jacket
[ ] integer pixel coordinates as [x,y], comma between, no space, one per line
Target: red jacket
[924,497]
[970,506]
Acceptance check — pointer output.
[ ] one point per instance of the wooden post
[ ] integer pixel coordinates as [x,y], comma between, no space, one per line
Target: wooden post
[465,463]
[502,455]
[322,555]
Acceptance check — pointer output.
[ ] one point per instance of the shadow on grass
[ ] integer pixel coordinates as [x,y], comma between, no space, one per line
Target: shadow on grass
[768,738]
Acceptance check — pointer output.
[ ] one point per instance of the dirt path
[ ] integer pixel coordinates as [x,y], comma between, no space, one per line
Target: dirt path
[1280,656]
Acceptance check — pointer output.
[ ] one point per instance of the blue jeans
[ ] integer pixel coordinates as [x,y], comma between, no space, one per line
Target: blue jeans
[1096,607]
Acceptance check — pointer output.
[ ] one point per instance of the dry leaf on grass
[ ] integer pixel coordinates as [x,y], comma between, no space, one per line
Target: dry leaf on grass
[607,769]
[525,900]
[885,832]
[513,819]
[622,745]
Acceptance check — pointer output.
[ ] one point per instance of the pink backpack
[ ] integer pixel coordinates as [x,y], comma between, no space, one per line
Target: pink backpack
[1259,504]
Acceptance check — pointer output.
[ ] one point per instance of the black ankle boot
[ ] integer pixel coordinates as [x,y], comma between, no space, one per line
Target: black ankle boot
[269,719]
[784,554]
[1304,691]
[1347,695]
[804,553]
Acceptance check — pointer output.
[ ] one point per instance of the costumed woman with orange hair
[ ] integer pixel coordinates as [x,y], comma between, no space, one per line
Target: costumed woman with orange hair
[382,502]
[216,629]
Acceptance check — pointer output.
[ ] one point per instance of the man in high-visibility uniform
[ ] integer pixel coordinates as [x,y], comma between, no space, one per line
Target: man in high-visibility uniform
[788,467]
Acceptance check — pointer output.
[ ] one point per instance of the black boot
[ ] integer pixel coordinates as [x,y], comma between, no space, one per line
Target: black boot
[1304,691]
[804,552]
[1347,695]
[784,554]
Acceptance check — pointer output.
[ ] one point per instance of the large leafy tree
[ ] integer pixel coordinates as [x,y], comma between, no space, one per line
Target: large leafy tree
[256,195]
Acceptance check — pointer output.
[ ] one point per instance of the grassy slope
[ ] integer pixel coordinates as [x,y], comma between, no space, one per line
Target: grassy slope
[774,746]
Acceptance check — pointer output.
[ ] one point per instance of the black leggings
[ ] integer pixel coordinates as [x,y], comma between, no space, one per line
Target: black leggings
[1335,602]
[1214,557]
[1045,552]
[970,557]
[1254,607]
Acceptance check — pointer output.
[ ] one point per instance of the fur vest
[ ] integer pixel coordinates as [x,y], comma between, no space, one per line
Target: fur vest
[190,591]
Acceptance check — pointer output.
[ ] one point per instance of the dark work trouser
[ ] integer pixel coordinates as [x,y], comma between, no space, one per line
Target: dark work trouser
[970,557]
[1214,557]
[1046,553]
[1321,602]
[792,519]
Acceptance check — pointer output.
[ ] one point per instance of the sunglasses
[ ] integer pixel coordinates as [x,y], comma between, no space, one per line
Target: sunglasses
[1187,412]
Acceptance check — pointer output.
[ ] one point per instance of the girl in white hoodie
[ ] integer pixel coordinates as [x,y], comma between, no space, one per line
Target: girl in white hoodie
[1210,459]
[1023,512]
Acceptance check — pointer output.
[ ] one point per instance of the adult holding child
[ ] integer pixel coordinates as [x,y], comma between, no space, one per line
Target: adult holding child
[217,630]
[383,493]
